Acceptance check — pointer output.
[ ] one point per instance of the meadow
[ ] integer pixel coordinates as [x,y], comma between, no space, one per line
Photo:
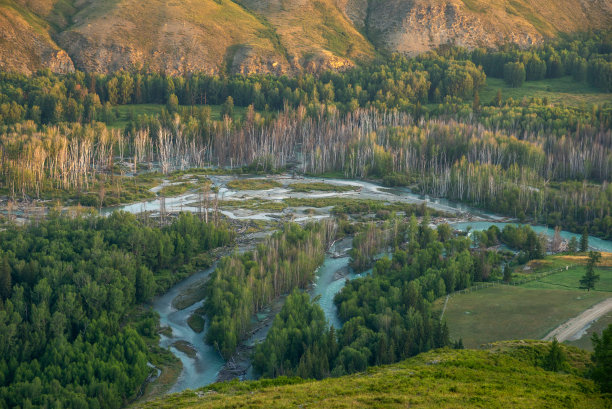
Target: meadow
[507,312]
[557,90]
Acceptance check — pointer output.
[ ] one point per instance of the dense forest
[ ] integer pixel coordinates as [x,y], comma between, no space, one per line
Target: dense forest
[68,288]
[387,314]
[243,284]
[406,121]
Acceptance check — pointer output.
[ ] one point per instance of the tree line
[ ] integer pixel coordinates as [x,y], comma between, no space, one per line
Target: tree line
[583,56]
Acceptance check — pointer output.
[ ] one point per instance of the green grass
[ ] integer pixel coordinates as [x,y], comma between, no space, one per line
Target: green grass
[254,204]
[196,322]
[343,205]
[570,279]
[253,184]
[506,312]
[190,296]
[175,190]
[558,91]
[508,376]
[37,23]
[186,348]
[321,187]
[474,6]
[125,112]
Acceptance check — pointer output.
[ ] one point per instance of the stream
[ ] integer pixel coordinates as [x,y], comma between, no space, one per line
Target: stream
[204,368]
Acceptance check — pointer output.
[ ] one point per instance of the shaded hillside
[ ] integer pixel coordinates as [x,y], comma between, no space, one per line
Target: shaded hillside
[506,375]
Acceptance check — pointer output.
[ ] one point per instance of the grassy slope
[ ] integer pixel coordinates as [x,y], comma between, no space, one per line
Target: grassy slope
[57,13]
[24,38]
[558,91]
[209,34]
[309,27]
[570,279]
[547,17]
[167,35]
[503,377]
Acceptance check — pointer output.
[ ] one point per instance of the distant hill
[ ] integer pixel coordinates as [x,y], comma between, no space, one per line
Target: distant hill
[505,375]
[261,36]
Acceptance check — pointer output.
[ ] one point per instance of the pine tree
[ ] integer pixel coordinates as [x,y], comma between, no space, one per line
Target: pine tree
[589,279]
[555,359]
[5,278]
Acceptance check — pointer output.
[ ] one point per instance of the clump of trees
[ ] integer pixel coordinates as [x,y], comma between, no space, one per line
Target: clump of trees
[584,56]
[67,290]
[515,74]
[386,316]
[300,342]
[243,284]
[373,239]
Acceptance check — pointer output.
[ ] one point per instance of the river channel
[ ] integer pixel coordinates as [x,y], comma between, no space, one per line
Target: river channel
[203,368]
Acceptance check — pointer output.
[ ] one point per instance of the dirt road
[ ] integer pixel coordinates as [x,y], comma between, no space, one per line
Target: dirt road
[569,328]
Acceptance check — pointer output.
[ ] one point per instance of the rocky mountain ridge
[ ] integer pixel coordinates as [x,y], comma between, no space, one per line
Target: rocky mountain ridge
[268,36]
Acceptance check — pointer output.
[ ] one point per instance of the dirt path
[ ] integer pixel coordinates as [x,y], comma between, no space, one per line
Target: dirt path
[569,328]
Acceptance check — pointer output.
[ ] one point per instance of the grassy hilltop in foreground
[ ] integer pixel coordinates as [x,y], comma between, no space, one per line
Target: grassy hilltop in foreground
[506,375]
[267,36]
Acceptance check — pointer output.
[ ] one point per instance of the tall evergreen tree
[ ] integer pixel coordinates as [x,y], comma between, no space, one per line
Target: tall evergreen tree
[589,279]
[556,358]
[5,278]
[584,241]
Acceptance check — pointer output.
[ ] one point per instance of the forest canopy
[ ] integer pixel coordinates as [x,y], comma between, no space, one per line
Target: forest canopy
[67,337]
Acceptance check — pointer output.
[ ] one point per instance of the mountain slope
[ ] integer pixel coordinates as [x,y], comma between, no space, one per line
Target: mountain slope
[277,36]
[25,42]
[502,377]
[178,36]
[416,26]
[315,33]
